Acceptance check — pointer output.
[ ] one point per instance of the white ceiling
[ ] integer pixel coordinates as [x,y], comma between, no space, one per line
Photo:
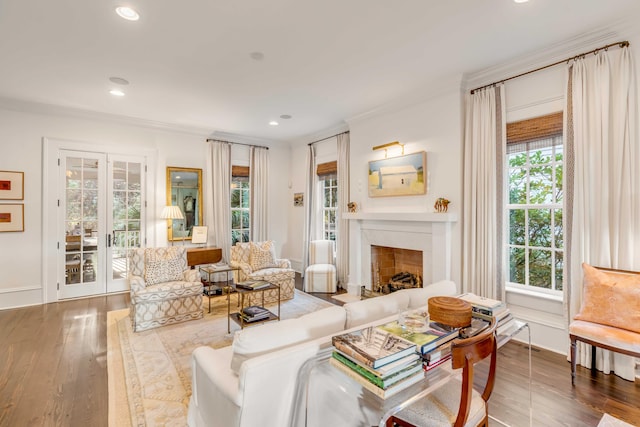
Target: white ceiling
[324,61]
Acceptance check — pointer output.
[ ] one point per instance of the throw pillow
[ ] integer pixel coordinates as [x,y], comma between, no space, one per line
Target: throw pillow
[611,299]
[262,255]
[162,268]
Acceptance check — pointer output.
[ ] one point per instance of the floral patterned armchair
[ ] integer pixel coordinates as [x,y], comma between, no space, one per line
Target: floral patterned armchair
[163,288]
[257,261]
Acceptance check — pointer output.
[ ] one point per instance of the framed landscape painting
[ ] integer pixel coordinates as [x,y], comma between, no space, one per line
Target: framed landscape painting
[398,176]
[11,217]
[11,185]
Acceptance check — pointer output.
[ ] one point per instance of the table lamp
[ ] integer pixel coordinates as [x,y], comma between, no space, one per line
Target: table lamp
[171,212]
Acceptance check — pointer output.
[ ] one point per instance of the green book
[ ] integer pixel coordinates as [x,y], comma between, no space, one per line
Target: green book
[380,382]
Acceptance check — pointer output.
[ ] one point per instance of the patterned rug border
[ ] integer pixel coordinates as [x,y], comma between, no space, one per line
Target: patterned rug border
[124,383]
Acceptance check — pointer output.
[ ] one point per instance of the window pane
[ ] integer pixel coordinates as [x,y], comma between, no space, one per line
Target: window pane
[236,217]
[540,268]
[517,186]
[235,198]
[245,236]
[559,188]
[334,197]
[119,175]
[517,265]
[236,236]
[541,156]
[558,234]
[245,198]
[559,269]
[540,227]
[516,227]
[134,175]
[517,160]
[245,219]
[540,185]
[90,204]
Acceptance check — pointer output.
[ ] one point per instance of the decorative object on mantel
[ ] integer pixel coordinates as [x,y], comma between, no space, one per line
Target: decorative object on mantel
[353,207]
[450,311]
[388,145]
[398,176]
[298,199]
[441,205]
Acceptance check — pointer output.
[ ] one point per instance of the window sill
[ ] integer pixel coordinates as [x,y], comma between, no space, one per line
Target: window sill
[540,295]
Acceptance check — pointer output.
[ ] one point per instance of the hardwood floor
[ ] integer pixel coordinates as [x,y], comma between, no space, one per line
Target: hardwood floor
[53,372]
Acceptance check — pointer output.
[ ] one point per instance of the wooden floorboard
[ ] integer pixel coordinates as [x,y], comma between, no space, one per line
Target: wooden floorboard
[53,372]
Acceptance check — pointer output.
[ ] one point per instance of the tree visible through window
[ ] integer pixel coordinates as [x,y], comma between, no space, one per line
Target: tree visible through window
[534,210]
[240,225]
[329,207]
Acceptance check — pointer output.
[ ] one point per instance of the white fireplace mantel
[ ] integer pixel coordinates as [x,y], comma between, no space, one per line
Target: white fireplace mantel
[429,232]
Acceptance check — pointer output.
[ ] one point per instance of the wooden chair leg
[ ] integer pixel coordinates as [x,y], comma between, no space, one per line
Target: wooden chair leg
[573,361]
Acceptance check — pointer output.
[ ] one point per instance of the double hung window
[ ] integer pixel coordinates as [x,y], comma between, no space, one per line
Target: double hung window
[240,197]
[534,160]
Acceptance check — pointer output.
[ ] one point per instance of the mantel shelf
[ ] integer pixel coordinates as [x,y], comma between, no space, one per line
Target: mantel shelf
[402,216]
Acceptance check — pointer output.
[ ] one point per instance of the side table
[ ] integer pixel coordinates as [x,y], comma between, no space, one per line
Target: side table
[242,293]
[208,270]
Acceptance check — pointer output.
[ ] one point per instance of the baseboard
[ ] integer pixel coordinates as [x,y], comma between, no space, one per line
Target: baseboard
[20,297]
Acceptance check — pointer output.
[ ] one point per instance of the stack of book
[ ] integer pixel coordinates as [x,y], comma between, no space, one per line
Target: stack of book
[254,313]
[253,285]
[486,308]
[382,362]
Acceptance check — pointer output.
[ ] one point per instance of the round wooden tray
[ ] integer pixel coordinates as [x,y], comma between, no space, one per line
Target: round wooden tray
[450,311]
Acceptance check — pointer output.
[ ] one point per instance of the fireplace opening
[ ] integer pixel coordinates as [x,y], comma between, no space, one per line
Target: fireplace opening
[393,269]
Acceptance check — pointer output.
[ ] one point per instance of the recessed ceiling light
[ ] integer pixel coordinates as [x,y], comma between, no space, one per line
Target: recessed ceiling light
[258,56]
[118,80]
[285,116]
[273,123]
[127,13]
[116,92]
[520,1]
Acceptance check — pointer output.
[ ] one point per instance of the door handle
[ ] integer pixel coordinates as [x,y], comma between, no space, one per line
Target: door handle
[108,240]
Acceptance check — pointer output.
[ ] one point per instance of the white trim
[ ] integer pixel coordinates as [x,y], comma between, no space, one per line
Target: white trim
[50,150]
[535,293]
[20,289]
[59,110]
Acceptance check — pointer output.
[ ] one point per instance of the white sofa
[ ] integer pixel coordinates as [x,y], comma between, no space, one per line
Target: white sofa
[252,382]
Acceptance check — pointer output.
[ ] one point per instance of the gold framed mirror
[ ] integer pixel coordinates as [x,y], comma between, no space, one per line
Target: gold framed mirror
[184,189]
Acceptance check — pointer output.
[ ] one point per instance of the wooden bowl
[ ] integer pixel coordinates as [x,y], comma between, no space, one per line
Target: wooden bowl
[450,311]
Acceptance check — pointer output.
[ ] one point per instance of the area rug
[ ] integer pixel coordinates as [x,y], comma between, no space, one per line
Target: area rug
[609,421]
[149,372]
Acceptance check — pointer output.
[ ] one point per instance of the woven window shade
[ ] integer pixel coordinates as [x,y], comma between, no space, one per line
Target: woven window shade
[329,168]
[543,127]
[240,171]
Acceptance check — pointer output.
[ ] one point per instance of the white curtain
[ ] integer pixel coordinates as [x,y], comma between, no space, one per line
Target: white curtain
[310,207]
[258,184]
[483,193]
[602,181]
[218,188]
[342,252]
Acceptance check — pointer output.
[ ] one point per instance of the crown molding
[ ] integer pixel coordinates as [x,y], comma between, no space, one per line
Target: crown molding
[244,139]
[23,106]
[550,54]
[320,135]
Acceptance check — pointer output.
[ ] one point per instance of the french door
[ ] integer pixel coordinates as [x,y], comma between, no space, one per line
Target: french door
[100,218]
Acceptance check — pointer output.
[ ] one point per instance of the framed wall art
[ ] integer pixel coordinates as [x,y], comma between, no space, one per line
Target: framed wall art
[298,199]
[11,217]
[11,185]
[398,176]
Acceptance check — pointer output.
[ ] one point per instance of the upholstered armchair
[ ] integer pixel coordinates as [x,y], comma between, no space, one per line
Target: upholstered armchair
[163,289]
[320,275]
[257,261]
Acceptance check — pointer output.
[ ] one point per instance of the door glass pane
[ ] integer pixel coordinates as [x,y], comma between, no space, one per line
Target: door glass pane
[81,213]
[127,208]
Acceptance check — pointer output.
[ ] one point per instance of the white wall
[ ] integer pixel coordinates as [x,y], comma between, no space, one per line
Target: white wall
[21,133]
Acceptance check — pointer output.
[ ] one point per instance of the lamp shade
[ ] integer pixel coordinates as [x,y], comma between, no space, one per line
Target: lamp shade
[171,212]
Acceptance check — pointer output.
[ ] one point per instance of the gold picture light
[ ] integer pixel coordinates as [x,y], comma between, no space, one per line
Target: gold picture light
[388,145]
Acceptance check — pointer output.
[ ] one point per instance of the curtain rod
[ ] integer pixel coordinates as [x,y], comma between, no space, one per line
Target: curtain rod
[594,51]
[238,143]
[320,140]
